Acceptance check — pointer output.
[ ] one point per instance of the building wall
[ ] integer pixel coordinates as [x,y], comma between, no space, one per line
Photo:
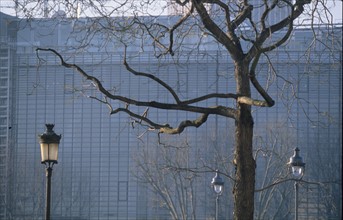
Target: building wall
[96,177]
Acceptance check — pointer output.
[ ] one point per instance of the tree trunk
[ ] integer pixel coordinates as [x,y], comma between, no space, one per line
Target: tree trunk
[244,186]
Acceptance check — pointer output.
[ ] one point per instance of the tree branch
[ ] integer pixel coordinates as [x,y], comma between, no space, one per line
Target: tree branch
[187,123]
[254,102]
[231,45]
[293,179]
[183,106]
[152,77]
[266,32]
[269,101]
[245,13]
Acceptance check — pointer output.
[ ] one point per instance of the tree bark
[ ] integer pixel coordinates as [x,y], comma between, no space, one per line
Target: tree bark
[244,186]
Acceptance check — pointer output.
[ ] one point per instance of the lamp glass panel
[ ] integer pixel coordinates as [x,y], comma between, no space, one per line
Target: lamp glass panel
[53,151]
[218,188]
[49,152]
[297,171]
[44,151]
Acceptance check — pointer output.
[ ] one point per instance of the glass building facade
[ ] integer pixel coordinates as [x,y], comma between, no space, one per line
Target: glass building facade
[100,173]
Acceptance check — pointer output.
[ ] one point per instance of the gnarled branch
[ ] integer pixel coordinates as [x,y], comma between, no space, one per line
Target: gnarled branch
[187,123]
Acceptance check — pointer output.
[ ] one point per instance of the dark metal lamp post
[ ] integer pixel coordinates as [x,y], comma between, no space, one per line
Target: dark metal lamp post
[218,186]
[297,165]
[49,142]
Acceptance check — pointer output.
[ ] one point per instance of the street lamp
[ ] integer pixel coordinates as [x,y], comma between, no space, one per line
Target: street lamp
[297,165]
[218,186]
[49,142]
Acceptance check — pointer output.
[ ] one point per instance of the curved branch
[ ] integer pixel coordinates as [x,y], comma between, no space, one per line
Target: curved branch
[283,39]
[152,77]
[187,123]
[171,30]
[165,128]
[293,179]
[172,92]
[152,124]
[269,101]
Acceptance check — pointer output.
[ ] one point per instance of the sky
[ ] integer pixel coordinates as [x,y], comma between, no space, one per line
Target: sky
[337,12]
[6,6]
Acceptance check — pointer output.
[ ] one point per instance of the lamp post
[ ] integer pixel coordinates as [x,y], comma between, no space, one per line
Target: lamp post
[218,186]
[297,165]
[49,142]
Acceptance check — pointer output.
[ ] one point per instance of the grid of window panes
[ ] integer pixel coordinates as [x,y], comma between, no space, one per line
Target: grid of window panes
[96,174]
[4,113]
[7,96]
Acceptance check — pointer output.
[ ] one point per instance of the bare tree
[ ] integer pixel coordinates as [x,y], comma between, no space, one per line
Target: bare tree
[245,35]
[273,188]
[28,198]
[173,187]
[176,173]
